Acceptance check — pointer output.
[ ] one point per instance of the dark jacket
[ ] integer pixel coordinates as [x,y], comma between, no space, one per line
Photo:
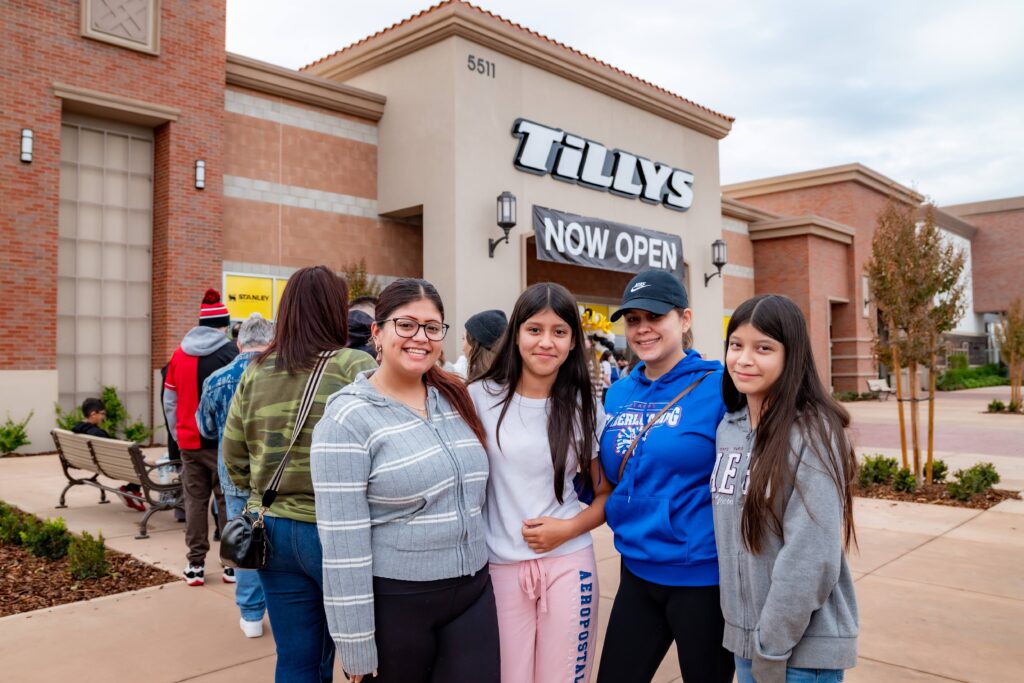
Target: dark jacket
[359,333]
[90,429]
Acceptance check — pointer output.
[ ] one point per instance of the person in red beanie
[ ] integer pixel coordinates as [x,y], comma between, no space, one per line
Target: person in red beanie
[204,349]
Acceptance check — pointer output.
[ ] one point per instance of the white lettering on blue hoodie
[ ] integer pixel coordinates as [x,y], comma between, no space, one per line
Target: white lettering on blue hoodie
[661,510]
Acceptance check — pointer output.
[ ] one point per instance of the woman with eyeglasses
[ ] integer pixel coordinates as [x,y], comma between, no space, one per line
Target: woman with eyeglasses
[400,475]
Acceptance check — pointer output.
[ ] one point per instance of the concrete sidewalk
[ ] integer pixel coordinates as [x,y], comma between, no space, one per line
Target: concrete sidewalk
[941,591]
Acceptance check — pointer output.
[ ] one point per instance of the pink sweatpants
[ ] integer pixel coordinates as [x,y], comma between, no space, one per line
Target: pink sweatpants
[547,618]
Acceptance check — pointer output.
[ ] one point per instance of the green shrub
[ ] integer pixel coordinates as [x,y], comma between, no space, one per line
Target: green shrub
[990,375]
[137,432]
[869,396]
[904,481]
[68,420]
[877,469]
[958,361]
[972,481]
[846,396]
[49,539]
[87,557]
[11,526]
[996,406]
[939,471]
[1013,407]
[13,435]
[116,414]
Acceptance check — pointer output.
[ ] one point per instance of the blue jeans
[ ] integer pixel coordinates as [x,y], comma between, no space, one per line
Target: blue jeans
[743,674]
[293,586]
[248,590]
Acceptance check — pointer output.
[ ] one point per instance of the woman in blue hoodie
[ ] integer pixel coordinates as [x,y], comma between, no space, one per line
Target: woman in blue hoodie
[658,449]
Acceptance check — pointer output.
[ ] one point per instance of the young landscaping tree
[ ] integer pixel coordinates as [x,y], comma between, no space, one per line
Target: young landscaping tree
[360,283]
[915,276]
[1010,336]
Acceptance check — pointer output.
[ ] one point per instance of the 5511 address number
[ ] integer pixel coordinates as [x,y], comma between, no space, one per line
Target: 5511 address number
[483,67]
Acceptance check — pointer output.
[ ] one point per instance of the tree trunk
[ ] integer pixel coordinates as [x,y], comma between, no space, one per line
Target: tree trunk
[899,404]
[931,416]
[912,396]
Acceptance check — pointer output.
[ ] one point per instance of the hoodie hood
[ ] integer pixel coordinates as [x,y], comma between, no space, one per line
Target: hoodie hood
[364,390]
[358,329]
[691,363]
[202,341]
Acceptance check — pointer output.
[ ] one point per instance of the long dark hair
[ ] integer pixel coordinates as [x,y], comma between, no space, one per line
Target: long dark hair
[405,291]
[312,317]
[798,400]
[480,359]
[571,411]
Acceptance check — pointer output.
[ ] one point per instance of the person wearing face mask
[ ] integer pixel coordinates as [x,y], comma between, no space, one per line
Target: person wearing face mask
[658,449]
[400,474]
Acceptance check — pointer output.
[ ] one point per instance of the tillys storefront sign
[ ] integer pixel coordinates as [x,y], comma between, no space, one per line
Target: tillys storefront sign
[595,243]
[565,156]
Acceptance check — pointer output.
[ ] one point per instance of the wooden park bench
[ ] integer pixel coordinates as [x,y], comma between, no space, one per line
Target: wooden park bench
[880,387]
[117,460]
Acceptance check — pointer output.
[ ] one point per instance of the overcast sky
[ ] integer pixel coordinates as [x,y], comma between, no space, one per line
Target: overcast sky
[927,92]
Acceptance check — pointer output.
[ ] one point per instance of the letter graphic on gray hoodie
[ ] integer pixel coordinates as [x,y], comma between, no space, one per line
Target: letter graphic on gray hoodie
[793,604]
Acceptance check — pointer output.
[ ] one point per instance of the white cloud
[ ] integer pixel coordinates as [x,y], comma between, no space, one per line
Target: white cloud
[929,94]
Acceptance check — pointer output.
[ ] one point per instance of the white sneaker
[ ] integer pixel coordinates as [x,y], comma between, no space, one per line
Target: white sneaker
[251,629]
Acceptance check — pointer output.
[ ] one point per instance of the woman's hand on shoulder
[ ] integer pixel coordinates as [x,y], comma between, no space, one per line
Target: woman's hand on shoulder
[543,534]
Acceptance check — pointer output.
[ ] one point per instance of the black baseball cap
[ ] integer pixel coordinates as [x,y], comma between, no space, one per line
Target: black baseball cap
[655,291]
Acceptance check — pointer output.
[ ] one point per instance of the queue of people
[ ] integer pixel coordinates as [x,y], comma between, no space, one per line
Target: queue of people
[430,528]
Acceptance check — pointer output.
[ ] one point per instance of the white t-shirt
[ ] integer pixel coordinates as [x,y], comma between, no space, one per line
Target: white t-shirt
[520,483]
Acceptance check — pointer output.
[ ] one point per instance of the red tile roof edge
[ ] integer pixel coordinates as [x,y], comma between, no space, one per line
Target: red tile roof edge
[520,27]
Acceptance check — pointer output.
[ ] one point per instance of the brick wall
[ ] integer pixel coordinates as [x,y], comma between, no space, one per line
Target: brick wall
[259,228]
[41,46]
[997,259]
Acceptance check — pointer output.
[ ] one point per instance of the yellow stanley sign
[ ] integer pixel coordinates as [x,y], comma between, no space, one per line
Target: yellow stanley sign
[245,295]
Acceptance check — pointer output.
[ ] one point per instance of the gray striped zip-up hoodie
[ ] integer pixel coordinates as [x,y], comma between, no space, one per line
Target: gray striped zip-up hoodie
[793,604]
[397,497]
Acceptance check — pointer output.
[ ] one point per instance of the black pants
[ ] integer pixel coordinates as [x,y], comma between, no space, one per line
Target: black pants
[647,617]
[437,631]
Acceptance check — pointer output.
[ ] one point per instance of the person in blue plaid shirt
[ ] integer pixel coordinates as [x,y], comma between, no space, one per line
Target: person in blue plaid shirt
[253,337]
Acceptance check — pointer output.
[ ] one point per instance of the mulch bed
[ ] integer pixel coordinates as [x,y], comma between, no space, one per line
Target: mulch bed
[29,583]
[936,494]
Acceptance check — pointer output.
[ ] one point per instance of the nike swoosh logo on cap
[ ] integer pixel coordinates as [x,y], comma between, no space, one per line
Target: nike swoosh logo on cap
[639,285]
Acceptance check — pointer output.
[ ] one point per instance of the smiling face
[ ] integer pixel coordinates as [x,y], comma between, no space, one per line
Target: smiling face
[544,342]
[657,340]
[414,355]
[754,360]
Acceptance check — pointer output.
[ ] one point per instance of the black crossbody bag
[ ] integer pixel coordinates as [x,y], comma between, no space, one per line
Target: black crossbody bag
[244,543]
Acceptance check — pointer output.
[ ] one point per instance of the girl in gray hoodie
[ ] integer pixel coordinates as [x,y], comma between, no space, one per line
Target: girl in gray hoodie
[782,498]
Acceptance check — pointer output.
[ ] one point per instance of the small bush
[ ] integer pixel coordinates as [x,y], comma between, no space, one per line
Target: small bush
[996,406]
[1013,407]
[116,414]
[869,396]
[87,557]
[904,481]
[990,375]
[972,481]
[958,361]
[68,420]
[11,526]
[877,469]
[939,471]
[846,396]
[49,539]
[13,435]
[137,432]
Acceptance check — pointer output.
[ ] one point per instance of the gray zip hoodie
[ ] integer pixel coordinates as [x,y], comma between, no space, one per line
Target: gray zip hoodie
[793,604]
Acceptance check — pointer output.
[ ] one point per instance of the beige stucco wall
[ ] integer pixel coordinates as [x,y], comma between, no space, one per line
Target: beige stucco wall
[446,143]
[22,391]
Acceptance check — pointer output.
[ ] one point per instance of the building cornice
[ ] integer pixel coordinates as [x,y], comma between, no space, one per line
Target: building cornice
[276,80]
[802,225]
[456,18]
[989,206]
[947,221]
[97,103]
[745,212]
[857,173]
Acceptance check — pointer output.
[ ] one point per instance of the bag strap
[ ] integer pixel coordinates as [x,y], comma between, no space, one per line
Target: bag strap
[651,423]
[305,405]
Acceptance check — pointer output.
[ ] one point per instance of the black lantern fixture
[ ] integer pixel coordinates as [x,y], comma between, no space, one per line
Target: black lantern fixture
[506,220]
[719,258]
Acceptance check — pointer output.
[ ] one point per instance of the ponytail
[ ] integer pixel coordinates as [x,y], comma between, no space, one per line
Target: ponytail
[455,392]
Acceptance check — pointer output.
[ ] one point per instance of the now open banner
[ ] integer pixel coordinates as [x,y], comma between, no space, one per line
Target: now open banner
[595,243]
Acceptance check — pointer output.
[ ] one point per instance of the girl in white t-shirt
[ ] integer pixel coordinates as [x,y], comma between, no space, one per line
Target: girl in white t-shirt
[542,424]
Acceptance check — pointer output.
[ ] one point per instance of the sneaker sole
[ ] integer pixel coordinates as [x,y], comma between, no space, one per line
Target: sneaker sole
[193,582]
[227,580]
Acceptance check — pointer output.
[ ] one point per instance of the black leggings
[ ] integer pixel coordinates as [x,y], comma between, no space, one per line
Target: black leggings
[647,617]
[437,631]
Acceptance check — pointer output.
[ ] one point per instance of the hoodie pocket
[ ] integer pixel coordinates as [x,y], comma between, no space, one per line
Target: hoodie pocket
[643,530]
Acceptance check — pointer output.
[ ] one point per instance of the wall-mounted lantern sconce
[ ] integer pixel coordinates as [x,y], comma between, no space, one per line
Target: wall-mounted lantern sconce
[506,220]
[200,174]
[718,259]
[26,145]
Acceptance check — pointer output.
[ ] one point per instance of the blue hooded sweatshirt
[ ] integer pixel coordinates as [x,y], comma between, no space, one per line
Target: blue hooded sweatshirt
[661,511]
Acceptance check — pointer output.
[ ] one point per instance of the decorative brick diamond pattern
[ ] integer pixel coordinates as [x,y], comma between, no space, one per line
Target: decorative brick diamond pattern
[125,19]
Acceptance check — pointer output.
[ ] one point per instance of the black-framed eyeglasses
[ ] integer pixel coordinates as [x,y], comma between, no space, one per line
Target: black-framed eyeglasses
[409,328]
